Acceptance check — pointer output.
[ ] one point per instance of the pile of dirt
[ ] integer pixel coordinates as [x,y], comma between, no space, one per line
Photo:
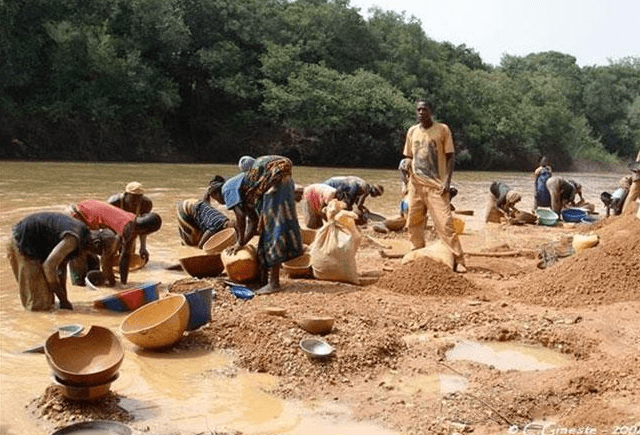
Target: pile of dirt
[367,333]
[57,409]
[427,277]
[604,274]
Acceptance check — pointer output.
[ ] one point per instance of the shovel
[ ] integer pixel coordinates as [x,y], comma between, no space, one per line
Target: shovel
[65,331]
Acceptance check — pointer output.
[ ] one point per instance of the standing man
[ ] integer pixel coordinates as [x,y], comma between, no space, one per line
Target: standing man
[134,201]
[430,147]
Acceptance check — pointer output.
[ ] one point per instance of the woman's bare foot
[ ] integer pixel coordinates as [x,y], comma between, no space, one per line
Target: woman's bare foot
[269,288]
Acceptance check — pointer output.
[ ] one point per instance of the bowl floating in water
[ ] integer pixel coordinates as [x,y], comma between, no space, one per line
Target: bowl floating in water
[573,214]
[95,427]
[86,392]
[547,217]
[129,300]
[136,262]
[157,324]
[316,348]
[85,360]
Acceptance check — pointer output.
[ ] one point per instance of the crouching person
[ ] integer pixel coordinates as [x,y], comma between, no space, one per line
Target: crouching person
[41,246]
[101,215]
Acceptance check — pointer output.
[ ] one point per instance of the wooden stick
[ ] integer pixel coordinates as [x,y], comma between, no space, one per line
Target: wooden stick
[379,244]
[502,254]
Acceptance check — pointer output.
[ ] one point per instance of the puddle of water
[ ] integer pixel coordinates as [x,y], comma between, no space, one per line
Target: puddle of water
[433,384]
[507,356]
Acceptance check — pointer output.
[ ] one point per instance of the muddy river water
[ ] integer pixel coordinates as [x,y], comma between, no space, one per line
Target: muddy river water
[168,391]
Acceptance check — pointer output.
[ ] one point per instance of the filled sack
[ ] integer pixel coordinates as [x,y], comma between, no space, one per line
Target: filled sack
[333,252]
[436,250]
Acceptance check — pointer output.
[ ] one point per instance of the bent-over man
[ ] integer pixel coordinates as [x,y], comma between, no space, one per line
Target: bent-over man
[41,246]
[98,214]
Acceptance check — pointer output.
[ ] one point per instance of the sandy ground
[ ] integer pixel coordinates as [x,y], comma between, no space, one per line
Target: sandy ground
[392,335]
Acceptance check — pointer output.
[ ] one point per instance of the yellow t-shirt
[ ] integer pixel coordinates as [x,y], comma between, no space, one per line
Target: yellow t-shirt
[428,149]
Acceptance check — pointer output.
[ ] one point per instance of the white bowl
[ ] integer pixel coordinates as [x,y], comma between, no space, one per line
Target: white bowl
[316,348]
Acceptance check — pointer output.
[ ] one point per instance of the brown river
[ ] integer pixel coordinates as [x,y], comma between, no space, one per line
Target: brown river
[165,391]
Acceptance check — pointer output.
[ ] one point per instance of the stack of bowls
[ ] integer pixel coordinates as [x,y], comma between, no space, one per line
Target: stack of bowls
[84,366]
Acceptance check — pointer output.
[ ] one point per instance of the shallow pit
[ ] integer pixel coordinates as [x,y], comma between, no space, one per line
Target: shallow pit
[507,355]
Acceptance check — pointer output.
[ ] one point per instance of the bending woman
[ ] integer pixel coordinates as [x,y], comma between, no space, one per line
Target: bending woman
[263,201]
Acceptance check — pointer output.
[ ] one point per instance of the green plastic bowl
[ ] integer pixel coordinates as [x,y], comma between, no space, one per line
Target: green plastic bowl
[547,217]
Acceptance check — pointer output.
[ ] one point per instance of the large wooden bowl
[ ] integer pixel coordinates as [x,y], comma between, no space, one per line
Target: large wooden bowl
[85,360]
[158,324]
[299,267]
[202,266]
[219,241]
[308,235]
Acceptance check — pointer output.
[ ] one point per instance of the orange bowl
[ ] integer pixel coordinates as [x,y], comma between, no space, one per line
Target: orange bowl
[158,324]
[85,360]
[317,324]
[200,266]
[219,241]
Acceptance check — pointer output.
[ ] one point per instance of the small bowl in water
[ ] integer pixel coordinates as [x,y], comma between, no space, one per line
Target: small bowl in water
[316,348]
[96,427]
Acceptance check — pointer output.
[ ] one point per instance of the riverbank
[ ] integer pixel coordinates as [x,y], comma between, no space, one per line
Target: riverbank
[395,338]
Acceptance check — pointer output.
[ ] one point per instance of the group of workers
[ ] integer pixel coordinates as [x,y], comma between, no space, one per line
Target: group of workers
[558,193]
[549,191]
[94,235]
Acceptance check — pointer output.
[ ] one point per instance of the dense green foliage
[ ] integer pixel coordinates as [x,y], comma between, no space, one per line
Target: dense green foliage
[210,80]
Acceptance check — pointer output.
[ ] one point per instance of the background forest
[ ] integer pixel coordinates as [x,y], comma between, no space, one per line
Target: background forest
[210,80]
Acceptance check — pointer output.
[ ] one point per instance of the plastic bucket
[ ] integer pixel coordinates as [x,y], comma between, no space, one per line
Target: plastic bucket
[199,307]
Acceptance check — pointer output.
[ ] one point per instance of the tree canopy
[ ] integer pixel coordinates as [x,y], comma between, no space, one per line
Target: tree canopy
[210,80]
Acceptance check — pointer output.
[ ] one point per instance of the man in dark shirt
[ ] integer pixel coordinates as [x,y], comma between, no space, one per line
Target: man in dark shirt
[41,246]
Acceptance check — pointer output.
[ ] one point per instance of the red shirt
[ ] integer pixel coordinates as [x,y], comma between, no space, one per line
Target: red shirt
[100,214]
